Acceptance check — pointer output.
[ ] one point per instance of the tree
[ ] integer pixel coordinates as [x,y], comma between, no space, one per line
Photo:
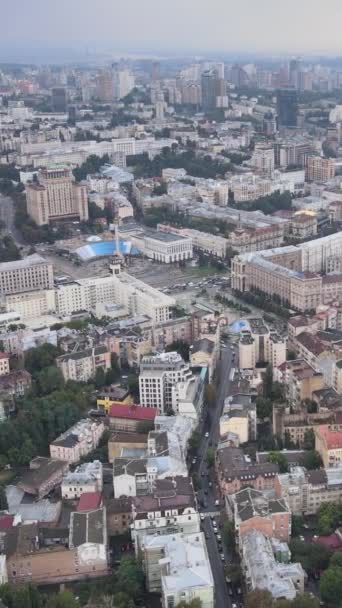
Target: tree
[112,375]
[210,395]
[40,357]
[194,603]
[3,499]
[329,517]
[129,578]
[133,385]
[181,347]
[309,440]
[263,408]
[234,572]
[336,559]
[64,599]
[194,441]
[297,524]
[258,599]
[49,379]
[331,586]
[210,457]
[100,378]
[268,381]
[229,535]
[279,459]
[311,460]
[313,557]
[196,482]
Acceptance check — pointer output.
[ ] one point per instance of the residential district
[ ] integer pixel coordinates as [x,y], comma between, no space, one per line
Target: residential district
[171,334]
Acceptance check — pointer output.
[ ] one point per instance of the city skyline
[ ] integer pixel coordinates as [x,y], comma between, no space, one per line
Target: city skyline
[192,26]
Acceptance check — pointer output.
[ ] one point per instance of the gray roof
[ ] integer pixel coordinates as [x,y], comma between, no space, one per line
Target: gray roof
[129,466]
[30,260]
[251,503]
[204,345]
[88,527]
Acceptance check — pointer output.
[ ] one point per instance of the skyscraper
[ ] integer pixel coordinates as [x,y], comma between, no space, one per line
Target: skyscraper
[295,67]
[287,107]
[56,196]
[59,99]
[209,86]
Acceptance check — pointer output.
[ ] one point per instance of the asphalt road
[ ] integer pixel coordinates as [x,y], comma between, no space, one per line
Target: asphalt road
[7,216]
[210,489]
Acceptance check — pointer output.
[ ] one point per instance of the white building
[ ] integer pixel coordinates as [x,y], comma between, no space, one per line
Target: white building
[159,374]
[204,241]
[263,160]
[87,477]
[262,571]
[318,255]
[32,304]
[141,299]
[178,566]
[78,441]
[166,247]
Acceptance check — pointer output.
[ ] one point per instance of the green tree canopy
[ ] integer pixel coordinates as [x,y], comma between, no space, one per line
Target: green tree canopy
[210,457]
[279,459]
[331,586]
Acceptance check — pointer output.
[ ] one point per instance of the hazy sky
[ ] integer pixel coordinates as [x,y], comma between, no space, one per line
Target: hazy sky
[201,25]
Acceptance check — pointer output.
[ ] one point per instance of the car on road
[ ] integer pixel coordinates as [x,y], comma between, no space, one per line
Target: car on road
[223,559]
[202,517]
[206,435]
[219,537]
[194,460]
[215,530]
[207,535]
[228,580]
[217,503]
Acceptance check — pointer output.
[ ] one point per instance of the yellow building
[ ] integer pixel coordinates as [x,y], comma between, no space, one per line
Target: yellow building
[113,395]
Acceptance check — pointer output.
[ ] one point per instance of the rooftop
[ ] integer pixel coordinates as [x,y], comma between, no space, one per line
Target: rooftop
[28,262]
[133,412]
[89,501]
[332,438]
[88,527]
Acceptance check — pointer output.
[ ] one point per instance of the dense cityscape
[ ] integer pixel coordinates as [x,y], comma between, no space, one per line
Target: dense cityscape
[171,329]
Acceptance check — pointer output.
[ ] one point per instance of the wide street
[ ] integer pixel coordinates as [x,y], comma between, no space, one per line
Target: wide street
[209,492]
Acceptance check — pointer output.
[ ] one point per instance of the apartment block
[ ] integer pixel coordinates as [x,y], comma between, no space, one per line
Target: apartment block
[56,196]
[319,169]
[158,374]
[306,491]
[78,441]
[30,273]
[169,509]
[328,443]
[141,299]
[263,571]
[295,426]
[4,364]
[235,471]
[82,365]
[178,567]
[300,380]
[203,241]
[260,345]
[87,477]
[239,417]
[253,510]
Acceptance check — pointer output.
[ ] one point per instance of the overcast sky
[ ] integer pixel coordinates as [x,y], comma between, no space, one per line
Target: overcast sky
[178,25]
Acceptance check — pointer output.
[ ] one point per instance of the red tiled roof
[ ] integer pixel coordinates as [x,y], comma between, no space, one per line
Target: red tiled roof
[6,522]
[89,501]
[333,542]
[135,412]
[333,439]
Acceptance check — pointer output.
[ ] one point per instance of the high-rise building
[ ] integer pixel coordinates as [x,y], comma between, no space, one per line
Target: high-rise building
[105,85]
[155,71]
[123,82]
[319,169]
[59,99]
[295,67]
[287,107]
[263,159]
[56,196]
[209,85]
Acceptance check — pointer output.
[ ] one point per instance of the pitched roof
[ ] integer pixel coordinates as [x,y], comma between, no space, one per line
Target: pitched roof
[89,501]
